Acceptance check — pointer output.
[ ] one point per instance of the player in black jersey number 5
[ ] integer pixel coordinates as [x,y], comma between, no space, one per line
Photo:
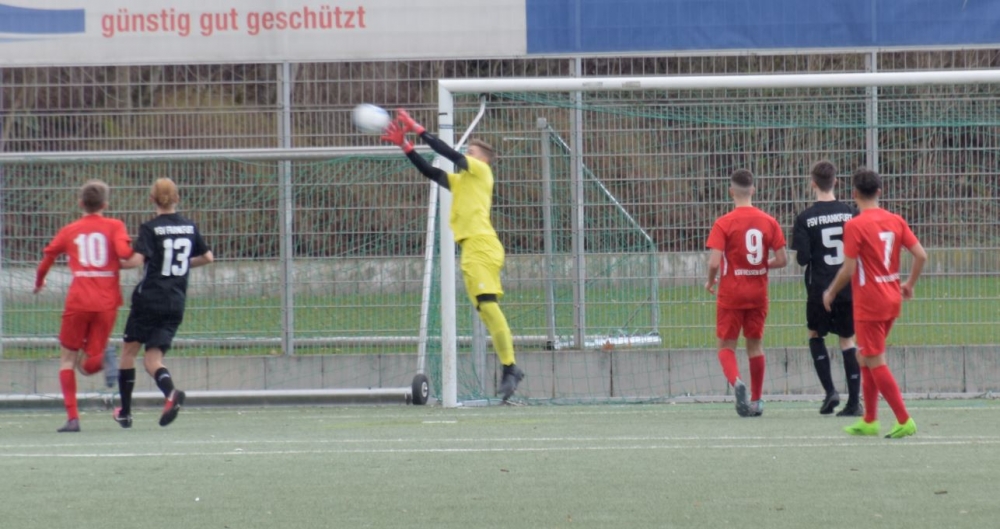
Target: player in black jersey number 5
[168,246]
[818,242]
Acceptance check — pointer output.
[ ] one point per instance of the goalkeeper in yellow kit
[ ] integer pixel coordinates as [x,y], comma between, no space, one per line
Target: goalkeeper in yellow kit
[482,254]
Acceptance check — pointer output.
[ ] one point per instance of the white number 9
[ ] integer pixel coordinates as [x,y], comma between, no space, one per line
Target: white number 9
[755,246]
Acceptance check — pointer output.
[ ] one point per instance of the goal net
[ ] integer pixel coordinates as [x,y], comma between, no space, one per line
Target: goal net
[607,188]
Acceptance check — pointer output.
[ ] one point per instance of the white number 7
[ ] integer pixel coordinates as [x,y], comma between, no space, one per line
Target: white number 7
[888,238]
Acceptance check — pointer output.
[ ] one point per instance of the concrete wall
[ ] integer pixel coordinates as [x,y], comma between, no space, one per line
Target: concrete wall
[555,375]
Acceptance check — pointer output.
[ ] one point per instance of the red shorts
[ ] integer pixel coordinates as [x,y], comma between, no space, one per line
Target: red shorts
[871,336]
[89,331]
[728,323]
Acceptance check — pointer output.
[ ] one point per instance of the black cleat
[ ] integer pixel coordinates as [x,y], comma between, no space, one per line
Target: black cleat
[125,421]
[830,403]
[512,376]
[72,425]
[855,410]
[756,408]
[742,399]
[172,407]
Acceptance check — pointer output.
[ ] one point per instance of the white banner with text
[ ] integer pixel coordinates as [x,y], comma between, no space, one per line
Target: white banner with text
[78,32]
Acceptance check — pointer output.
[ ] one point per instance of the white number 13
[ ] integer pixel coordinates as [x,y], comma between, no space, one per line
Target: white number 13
[755,246]
[175,265]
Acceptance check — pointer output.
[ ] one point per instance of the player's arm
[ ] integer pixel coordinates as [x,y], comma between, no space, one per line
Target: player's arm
[134,261]
[714,263]
[800,242]
[202,260]
[43,270]
[431,140]
[919,259]
[840,281]
[127,257]
[395,134]
[52,252]
[779,260]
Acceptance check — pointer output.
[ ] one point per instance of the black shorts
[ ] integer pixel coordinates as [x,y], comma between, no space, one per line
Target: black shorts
[155,329]
[839,321]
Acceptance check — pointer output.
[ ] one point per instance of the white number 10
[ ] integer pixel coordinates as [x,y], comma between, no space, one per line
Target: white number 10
[755,246]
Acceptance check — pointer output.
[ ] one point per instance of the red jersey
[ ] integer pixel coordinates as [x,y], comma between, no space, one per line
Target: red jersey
[874,238]
[744,236]
[94,245]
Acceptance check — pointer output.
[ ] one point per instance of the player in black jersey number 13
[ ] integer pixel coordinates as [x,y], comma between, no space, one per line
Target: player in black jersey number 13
[168,246]
[818,242]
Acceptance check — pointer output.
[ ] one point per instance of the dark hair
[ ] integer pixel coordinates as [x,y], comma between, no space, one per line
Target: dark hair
[866,182]
[94,195]
[485,147]
[742,178]
[824,174]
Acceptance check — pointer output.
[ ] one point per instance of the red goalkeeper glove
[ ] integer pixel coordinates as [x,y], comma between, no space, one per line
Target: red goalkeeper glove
[410,123]
[395,134]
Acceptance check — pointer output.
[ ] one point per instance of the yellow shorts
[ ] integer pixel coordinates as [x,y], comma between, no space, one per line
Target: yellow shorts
[481,262]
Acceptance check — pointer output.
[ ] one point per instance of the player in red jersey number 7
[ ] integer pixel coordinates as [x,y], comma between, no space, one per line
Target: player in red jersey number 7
[739,244]
[872,243]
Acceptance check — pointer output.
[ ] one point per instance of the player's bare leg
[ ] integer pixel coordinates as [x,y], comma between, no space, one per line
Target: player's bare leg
[755,352]
[153,360]
[67,381]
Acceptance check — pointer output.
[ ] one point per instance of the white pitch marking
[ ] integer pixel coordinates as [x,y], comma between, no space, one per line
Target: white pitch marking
[969,439]
[889,444]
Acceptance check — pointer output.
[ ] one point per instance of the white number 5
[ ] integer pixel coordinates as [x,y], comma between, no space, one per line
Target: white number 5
[837,245]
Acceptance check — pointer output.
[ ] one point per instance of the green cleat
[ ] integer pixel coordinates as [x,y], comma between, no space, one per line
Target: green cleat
[903,430]
[862,428]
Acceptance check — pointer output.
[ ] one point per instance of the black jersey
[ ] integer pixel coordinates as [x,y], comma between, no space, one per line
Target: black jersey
[169,242]
[818,240]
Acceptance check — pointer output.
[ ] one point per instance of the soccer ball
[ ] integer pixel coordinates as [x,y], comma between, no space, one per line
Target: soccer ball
[370,118]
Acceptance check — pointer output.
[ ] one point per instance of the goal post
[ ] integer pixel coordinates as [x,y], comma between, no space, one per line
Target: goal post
[728,131]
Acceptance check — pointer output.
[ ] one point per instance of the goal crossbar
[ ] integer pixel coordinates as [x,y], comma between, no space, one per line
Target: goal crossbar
[696,82]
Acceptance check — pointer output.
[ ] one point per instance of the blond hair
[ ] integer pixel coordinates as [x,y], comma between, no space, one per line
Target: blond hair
[164,193]
[94,196]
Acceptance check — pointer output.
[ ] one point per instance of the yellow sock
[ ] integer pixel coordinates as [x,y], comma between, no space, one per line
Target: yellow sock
[496,323]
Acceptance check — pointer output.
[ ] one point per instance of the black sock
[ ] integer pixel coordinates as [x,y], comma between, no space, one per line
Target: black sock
[163,381]
[126,383]
[853,372]
[821,359]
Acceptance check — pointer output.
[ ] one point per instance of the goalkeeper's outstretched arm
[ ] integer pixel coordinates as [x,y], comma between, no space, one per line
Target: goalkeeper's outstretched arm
[395,133]
[428,170]
[445,150]
[432,141]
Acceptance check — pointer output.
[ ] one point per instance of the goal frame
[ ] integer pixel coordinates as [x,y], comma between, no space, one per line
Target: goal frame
[448,88]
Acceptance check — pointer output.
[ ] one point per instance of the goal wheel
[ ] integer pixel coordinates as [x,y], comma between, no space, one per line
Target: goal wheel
[421,389]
